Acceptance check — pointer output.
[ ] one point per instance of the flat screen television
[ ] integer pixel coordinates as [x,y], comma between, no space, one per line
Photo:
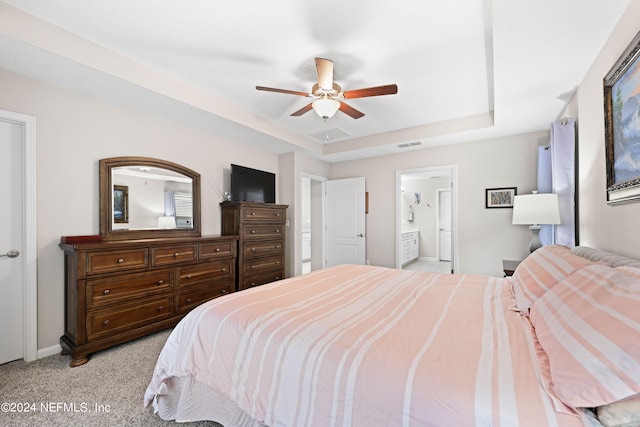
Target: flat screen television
[252,185]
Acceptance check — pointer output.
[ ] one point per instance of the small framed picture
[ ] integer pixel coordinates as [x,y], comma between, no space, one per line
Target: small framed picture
[500,197]
[120,204]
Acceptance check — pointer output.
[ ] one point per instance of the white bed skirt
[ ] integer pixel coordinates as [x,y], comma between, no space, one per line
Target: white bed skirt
[184,399]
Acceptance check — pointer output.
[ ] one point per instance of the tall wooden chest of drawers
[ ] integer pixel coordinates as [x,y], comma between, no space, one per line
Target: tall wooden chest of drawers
[261,248]
[117,291]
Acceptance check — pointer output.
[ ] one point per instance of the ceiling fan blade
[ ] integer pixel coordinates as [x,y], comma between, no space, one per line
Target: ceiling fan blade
[350,111]
[324,68]
[371,91]
[303,110]
[290,92]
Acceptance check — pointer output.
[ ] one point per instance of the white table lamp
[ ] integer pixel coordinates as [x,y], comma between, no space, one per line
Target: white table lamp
[536,209]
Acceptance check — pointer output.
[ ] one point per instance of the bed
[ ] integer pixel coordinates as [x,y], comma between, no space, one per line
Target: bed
[556,344]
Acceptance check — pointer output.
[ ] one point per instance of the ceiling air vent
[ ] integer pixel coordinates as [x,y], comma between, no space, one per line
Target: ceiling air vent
[409,144]
[330,135]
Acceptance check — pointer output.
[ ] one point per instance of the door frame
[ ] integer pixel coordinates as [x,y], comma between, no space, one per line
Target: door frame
[452,170]
[29,254]
[298,223]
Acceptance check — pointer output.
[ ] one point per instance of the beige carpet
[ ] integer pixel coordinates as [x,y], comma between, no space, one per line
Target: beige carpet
[106,391]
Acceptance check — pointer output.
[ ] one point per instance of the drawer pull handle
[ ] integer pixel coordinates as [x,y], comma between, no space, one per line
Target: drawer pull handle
[106,322]
[277,230]
[160,282]
[176,254]
[224,269]
[106,291]
[253,231]
[217,249]
[188,276]
[253,214]
[224,291]
[253,249]
[160,308]
[188,300]
[253,266]
[277,262]
[277,246]
[278,214]
[253,284]
[120,260]
[277,277]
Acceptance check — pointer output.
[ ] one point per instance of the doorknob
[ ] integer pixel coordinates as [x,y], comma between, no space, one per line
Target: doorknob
[360,235]
[12,253]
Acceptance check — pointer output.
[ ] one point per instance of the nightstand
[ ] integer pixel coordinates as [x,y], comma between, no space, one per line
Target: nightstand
[509,266]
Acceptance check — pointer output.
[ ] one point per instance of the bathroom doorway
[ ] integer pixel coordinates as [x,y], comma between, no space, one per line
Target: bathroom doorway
[426,219]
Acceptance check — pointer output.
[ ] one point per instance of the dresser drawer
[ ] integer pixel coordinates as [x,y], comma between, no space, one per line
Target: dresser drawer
[260,213]
[251,280]
[211,271]
[259,231]
[260,248]
[263,265]
[190,298]
[121,288]
[173,255]
[110,261]
[112,321]
[216,250]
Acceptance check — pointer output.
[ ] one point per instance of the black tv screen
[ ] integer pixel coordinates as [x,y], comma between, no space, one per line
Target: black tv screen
[252,185]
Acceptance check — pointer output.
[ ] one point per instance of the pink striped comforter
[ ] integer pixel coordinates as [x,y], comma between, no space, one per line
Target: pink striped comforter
[359,346]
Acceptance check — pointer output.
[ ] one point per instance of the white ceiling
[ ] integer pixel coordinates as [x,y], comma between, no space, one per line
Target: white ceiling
[465,69]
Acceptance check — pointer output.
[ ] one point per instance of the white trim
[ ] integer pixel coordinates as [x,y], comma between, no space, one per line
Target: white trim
[298,220]
[30,277]
[453,169]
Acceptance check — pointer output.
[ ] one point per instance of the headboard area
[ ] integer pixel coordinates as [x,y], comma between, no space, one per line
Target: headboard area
[597,255]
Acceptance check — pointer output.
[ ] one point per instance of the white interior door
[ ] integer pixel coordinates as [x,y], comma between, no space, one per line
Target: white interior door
[345,213]
[11,226]
[444,220]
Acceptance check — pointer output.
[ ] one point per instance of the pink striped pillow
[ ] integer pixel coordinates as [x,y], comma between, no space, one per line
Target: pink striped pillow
[541,270]
[589,327]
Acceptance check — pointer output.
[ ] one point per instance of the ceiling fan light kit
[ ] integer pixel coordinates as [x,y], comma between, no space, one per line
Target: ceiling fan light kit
[325,107]
[329,95]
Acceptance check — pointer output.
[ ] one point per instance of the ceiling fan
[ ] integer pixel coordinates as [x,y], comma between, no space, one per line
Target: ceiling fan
[329,95]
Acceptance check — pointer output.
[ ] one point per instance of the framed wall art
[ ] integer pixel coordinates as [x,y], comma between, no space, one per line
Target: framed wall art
[622,126]
[500,197]
[120,204]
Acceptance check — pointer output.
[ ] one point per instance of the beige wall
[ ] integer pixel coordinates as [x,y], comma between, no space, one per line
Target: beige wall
[73,133]
[485,236]
[613,228]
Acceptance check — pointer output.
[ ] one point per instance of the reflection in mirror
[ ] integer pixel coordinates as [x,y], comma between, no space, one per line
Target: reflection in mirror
[142,198]
[158,198]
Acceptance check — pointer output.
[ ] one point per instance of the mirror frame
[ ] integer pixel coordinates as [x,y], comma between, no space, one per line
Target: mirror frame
[106,199]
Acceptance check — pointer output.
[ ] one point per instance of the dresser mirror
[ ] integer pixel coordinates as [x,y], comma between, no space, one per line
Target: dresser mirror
[144,198]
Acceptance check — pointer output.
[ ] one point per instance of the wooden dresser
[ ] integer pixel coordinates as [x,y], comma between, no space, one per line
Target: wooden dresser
[117,291]
[261,230]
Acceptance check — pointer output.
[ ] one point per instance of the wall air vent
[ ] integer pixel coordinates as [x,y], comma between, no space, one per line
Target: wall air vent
[409,144]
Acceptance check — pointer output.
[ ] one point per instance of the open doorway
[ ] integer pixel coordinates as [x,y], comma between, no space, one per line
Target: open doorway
[311,224]
[426,219]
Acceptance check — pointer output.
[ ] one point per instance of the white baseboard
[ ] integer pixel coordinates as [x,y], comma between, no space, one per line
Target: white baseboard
[428,258]
[49,351]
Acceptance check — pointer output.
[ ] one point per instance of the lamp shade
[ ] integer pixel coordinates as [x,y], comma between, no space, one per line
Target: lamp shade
[325,107]
[167,222]
[536,209]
